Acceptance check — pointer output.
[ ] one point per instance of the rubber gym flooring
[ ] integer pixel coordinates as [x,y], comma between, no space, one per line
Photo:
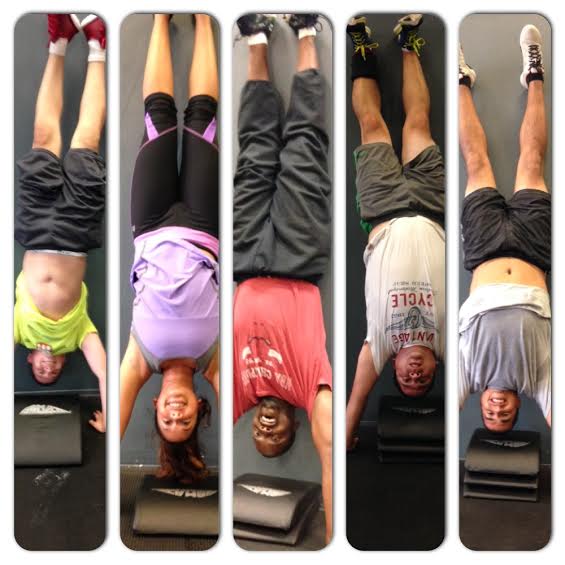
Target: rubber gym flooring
[391,506]
[63,508]
[498,525]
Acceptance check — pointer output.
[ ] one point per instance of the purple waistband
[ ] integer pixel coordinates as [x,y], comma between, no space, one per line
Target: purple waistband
[196,237]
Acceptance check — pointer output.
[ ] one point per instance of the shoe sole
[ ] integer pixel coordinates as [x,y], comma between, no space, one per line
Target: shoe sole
[76,21]
[401,25]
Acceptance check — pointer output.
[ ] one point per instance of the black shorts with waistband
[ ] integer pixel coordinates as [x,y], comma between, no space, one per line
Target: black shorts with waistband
[60,202]
[520,227]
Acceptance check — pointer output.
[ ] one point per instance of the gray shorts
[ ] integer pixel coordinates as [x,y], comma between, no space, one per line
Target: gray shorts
[387,190]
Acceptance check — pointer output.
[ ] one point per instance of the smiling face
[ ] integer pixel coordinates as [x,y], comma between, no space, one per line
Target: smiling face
[273,426]
[176,413]
[499,409]
[45,367]
[414,369]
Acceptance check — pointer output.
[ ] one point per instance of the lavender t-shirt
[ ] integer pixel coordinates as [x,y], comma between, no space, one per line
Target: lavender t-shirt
[176,310]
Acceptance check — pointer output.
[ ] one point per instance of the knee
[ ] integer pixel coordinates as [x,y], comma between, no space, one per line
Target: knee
[371,124]
[476,162]
[417,122]
[532,161]
[86,139]
[45,133]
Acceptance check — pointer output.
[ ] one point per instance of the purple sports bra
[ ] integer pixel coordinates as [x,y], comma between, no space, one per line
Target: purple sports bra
[176,310]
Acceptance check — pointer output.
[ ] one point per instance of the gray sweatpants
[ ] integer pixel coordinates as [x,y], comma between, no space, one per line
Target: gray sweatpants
[282,208]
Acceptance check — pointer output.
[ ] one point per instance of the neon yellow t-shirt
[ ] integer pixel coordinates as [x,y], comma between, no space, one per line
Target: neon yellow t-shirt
[34,330]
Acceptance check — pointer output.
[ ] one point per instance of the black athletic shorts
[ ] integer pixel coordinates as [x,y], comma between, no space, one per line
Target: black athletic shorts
[492,227]
[60,203]
[161,196]
[387,190]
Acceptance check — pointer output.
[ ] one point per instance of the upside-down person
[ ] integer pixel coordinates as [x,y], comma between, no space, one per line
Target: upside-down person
[401,204]
[282,234]
[175,273]
[505,323]
[59,214]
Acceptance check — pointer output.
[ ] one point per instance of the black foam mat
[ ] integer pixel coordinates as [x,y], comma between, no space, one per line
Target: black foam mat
[131,478]
[506,525]
[500,492]
[272,502]
[63,508]
[516,453]
[292,536]
[393,506]
[495,480]
[165,506]
[47,430]
[313,538]
[413,421]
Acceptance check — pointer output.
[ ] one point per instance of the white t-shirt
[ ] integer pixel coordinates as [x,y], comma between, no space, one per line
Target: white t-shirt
[405,288]
[505,342]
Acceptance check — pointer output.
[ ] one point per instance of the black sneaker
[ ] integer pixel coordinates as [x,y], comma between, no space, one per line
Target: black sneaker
[406,33]
[301,21]
[360,35]
[252,24]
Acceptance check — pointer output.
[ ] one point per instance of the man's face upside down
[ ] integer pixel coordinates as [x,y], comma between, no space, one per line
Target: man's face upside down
[273,426]
[414,369]
[499,409]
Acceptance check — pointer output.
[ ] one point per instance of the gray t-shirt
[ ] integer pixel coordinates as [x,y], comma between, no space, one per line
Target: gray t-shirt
[405,288]
[505,342]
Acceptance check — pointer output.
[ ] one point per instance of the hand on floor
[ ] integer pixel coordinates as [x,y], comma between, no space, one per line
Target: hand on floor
[98,422]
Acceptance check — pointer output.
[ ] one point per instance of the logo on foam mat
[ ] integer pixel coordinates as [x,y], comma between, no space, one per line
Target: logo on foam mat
[506,443]
[414,410]
[266,491]
[186,492]
[43,410]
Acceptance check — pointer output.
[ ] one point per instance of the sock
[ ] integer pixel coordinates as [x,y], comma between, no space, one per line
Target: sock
[59,47]
[465,80]
[306,32]
[95,52]
[258,39]
[364,65]
[534,76]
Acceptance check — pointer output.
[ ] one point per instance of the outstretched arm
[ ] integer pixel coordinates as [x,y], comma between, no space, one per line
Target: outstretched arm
[323,440]
[95,355]
[134,373]
[365,378]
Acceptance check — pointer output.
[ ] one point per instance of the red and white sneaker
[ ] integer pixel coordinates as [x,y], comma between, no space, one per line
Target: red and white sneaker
[94,29]
[62,26]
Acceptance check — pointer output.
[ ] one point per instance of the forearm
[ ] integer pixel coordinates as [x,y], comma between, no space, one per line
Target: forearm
[327,478]
[102,388]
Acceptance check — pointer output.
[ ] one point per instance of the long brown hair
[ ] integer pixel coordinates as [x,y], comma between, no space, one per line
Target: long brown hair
[184,460]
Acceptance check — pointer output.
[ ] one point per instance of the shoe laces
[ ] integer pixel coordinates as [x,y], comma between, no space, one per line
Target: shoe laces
[414,42]
[360,43]
[534,56]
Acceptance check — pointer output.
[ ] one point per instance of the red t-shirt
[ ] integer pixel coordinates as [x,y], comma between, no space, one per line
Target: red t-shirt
[279,343]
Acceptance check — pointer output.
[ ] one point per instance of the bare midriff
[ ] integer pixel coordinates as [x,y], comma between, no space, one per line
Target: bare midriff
[53,281]
[508,270]
[378,228]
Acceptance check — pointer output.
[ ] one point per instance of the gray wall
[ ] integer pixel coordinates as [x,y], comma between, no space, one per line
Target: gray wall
[30,55]
[500,102]
[139,445]
[389,60]
[301,461]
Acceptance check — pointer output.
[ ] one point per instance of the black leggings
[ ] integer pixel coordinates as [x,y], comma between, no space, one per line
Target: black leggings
[160,196]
